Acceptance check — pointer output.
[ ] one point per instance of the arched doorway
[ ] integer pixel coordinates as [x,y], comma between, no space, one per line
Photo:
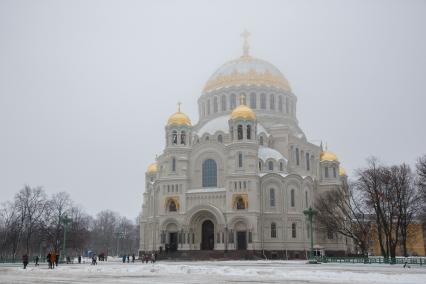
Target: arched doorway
[207,235]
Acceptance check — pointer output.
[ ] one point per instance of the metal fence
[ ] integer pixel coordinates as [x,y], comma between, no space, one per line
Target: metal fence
[372,260]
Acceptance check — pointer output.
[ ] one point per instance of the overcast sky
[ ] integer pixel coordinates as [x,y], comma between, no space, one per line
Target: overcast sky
[86,87]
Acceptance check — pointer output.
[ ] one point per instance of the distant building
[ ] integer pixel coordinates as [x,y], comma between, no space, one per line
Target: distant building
[240,178]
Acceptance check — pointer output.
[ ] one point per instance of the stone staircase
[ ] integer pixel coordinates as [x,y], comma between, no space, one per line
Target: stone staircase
[210,255]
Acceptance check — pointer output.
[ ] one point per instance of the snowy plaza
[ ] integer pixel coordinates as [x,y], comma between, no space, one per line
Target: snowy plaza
[213,272]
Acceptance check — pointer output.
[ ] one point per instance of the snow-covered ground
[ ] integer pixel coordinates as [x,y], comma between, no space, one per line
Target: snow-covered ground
[214,272]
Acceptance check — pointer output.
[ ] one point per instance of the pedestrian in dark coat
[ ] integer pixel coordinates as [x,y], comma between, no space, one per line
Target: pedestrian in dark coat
[49,262]
[128,258]
[124,258]
[36,259]
[79,259]
[133,257]
[25,260]
[57,259]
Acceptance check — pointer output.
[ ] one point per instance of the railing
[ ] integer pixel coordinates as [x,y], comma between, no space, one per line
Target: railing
[372,260]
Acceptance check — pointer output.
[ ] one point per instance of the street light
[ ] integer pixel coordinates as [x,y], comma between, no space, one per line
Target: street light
[309,213]
[65,221]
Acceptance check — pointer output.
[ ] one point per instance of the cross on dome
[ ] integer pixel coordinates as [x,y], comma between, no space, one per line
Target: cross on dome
[179,103]
[246,45]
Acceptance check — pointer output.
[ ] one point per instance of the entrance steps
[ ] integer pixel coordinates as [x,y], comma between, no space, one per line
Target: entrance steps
[210,255]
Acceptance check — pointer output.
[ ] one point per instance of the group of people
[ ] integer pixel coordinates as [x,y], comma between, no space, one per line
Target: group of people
[52,259]
[127,257]
[149,257]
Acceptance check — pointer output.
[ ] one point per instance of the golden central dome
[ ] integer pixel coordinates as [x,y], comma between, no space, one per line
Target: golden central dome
[342,171]
[152,168]
[247,70]
[328,156]
[179,118]
[243,112]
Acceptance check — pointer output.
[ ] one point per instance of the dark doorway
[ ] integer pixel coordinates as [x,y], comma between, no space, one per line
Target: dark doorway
[207,235]
[241,240]
[173,242]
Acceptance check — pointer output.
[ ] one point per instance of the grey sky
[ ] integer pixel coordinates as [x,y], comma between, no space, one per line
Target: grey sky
[86,87]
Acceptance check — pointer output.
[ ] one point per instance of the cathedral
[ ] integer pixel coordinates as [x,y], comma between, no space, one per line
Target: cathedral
[238,180]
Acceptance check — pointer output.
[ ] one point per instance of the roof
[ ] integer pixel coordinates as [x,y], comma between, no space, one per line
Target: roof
[266,153]
[221,124]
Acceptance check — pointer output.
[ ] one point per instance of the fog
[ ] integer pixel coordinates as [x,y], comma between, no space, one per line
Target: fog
[86,87]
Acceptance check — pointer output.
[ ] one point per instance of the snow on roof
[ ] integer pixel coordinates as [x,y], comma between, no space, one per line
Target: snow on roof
[266,153]
[207,189]
[221,124]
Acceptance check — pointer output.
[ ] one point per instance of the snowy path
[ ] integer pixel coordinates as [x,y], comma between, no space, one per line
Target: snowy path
[214,272]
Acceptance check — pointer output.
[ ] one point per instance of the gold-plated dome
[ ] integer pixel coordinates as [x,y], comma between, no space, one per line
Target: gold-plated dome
[247,70]
[152,168]
[342,171]
[328,156]
[243,112]
[179,118]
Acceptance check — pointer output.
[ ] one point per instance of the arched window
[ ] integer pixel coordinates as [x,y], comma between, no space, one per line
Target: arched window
[174,137]
[209,173]
[208,107]
[240,160]
[240,203]
[326,172]
[292,198]
[260,165]
[308,166]
[281,166]
[173,164]
[203,109]
[220,138]
[272,102]
[329,234]
[207,138]
[297,156]
[306,199]
[280,103]
[233,102]
[183,138]
[286,105]
[262,101]
[334,172]
[272,197]
[273,230]
[240,132]
[270,166]
[293,230]
[253,100]
[223,103]
[172,206]
[215,106]
[248,132]
[261,140]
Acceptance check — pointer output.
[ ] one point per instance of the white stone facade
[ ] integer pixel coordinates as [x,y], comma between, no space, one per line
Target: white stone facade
[264,180]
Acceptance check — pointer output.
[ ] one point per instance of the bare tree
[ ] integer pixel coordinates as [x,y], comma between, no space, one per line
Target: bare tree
[59,206]
[31,204]
[343,211]
[421,184]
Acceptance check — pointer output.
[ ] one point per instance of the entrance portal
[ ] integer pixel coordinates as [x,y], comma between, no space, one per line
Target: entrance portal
[241,240]
[173,242]
[207,235]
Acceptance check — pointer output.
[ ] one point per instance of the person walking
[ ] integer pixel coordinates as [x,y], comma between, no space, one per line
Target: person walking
[133,258]
[124,258]
[79,259]
[36,259]
[53,259]
[57,259]
[25,260]
[128,258]
[49,262]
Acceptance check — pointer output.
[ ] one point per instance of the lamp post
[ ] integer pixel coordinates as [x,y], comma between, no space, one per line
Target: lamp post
[309,213]
[65,221]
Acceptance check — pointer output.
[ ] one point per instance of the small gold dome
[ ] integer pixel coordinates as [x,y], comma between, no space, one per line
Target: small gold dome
[243,112]
[179,118]
[328,156]
[152,168]
[342,171]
